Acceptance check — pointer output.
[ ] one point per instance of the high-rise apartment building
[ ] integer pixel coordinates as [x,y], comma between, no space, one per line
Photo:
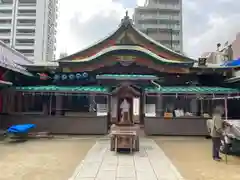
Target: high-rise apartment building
[162,21]
[29,26]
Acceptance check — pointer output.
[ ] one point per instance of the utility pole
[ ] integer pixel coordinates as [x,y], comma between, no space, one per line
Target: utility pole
[171,38]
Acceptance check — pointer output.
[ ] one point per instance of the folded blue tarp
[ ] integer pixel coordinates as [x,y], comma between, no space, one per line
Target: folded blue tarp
[232,63]
[22,128]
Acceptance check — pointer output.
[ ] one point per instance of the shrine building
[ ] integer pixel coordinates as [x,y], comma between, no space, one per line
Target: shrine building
[167,93]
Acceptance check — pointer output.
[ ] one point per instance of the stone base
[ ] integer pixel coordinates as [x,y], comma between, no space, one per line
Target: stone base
[135,148]
[125,139]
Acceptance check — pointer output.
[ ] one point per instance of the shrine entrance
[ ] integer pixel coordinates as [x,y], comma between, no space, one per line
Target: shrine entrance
[125,105]
[124,131]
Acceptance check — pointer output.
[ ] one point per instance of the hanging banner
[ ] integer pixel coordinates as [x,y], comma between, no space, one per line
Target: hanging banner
[136,106]
[9,60]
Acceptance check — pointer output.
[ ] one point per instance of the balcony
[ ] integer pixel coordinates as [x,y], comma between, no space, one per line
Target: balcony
[27,14]
[26,27]
[160,26]
[6,41]
[24,16]
[5,35]
[6,6]
[26,24]
[27,6]
[161,6]
[24,46]
[159,17]
[5,15]
[28,54]
[25,35]
[5,25]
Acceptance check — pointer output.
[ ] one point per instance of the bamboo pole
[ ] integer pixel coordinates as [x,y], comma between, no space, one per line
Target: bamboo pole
[226,108]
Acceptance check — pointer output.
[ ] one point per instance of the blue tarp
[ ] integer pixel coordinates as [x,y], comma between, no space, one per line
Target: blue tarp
[22,128]
[232,63]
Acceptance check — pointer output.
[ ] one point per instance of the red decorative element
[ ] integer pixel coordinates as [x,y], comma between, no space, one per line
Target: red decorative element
[111,42]
[2,74]
[43,76]
[96,50]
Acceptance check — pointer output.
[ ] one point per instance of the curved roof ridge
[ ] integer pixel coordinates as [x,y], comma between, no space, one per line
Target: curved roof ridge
[126,21]
[131,48]
[95,43]
[159,44]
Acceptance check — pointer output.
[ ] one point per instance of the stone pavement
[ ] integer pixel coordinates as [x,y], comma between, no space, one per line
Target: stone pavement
[149,164]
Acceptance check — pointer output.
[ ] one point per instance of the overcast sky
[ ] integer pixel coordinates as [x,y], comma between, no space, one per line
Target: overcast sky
[206,22]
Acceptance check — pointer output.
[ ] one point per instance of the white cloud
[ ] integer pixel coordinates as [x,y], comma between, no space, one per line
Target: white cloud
[141,2]
[205,22]
[220,30]
[83,12]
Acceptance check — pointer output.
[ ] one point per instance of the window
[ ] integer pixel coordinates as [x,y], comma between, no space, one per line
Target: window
[31,103]
[180,106]
[59,104]
[83,103]
[76,103]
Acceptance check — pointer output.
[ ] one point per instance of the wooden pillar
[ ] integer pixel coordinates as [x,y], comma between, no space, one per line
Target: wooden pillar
[159,105]
[4,109]
[109,109]
[26,100]
[45,102]
[59,99]
[50,105]
[10,102]
[114,106]
[19,102]
[142,106]
[7,102]
[226,108]
[201,101]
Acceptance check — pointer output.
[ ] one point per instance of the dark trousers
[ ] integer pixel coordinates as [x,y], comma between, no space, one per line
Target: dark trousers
[216,143]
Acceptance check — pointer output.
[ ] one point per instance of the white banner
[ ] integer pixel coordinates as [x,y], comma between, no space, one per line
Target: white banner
[114,107]
[8,59]
[136,106]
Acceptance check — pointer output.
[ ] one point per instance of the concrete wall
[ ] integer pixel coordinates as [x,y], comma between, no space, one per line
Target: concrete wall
[179,126]
[59,124]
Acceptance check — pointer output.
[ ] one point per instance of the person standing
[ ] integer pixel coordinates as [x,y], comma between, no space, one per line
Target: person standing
[216,131]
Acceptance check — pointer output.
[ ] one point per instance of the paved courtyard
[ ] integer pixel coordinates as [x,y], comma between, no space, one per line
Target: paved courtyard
[192,157]
[53,159]
[149,164]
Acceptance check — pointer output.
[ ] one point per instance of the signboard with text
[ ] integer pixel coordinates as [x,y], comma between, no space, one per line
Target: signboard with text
[8,59]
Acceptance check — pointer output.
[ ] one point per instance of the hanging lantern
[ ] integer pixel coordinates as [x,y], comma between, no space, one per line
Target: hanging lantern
[56,77]
[78,76]
[85,75]
[64,77]
[71,76]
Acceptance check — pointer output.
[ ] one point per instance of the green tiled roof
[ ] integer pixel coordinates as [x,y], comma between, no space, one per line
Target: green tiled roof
[194,90]
[125,76]
[73,89]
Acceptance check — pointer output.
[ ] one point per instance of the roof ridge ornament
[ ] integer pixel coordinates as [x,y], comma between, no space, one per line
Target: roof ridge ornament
[126,20]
